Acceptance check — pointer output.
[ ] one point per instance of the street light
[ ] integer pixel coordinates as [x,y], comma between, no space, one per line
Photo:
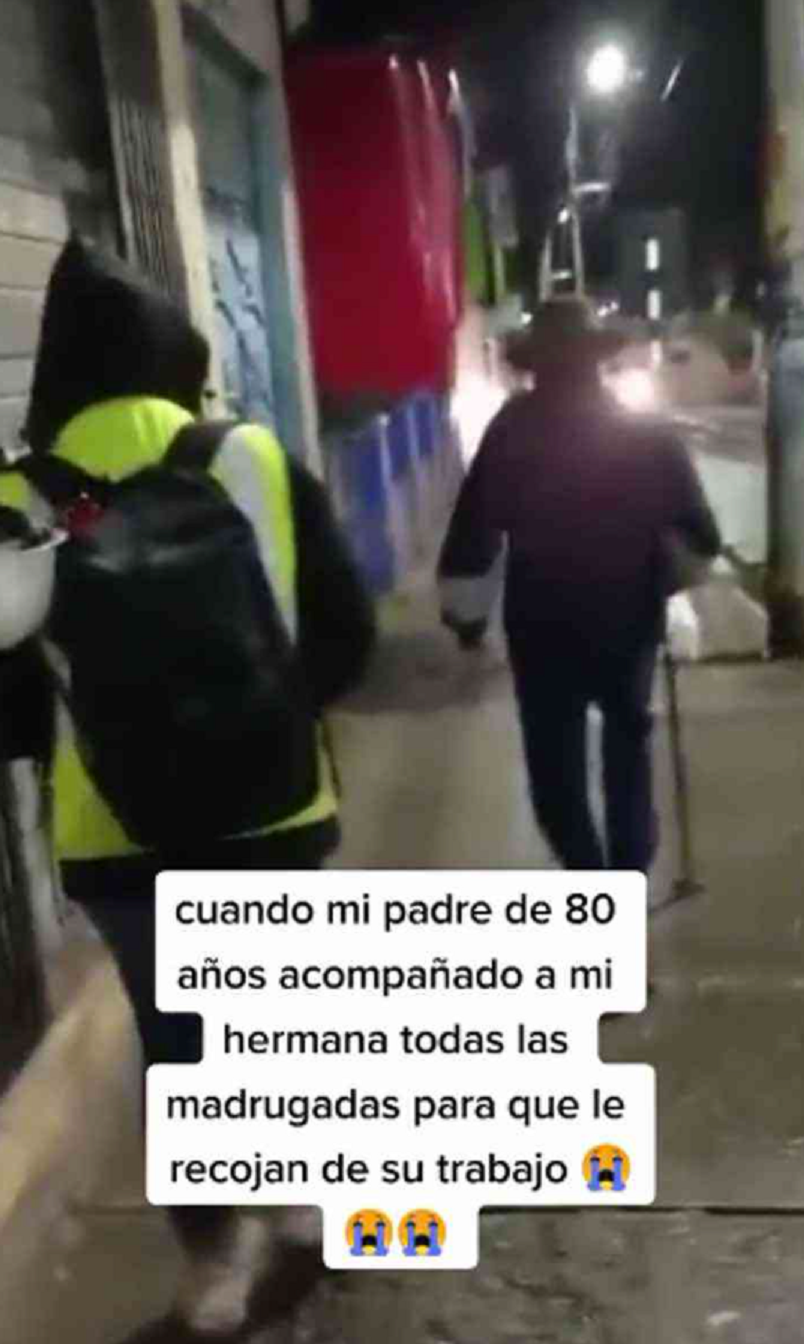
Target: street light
[607,71]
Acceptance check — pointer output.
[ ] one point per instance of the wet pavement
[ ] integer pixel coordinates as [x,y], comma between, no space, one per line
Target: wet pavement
[429,754]
[676,1278]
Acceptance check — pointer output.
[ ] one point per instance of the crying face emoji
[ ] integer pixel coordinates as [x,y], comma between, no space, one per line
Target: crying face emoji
[607,1170]
[422,1234]
[369,1234]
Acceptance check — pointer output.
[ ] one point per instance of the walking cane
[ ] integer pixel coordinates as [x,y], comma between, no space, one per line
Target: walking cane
[687,884]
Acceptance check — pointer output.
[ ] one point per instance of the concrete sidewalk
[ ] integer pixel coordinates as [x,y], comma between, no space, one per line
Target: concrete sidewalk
[430,757]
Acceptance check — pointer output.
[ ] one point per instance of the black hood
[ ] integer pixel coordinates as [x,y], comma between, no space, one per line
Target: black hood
[106,334]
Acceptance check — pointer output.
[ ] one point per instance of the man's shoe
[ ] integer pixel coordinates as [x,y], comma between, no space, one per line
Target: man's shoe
[214,1299]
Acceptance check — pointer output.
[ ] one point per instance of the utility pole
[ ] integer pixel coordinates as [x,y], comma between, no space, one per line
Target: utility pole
[569,221]
[607,75]
[785,237]
[573,161]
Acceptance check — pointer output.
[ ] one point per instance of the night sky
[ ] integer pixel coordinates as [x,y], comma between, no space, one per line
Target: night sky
[700,149]
[703,148]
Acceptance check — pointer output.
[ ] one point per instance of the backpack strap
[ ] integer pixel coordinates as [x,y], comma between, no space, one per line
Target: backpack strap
[196,446]
[59,482]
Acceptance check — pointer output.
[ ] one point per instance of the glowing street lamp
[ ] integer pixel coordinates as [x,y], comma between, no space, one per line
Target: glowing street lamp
[607,71]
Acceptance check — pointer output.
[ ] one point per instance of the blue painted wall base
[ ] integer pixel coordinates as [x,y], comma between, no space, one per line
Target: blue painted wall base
[392,484]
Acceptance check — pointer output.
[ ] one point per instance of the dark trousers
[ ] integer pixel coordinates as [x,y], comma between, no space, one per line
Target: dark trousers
[119,897]
[554,694]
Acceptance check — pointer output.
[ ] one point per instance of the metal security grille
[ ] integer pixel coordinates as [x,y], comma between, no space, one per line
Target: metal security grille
[129,48]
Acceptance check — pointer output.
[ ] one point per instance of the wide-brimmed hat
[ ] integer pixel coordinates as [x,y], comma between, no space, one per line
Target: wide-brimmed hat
[563,329]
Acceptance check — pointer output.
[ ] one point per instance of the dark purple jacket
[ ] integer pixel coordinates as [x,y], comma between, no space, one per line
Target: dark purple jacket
[584,495]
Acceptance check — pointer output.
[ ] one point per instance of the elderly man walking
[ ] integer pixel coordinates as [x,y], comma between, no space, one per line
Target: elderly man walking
[587,499]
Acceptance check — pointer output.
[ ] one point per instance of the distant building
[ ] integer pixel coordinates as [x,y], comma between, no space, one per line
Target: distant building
[653,264]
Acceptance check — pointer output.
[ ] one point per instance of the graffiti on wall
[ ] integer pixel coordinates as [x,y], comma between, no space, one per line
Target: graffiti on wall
[237,282]
[224,108]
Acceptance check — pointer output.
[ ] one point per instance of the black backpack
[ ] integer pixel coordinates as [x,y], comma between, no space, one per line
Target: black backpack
[187,697]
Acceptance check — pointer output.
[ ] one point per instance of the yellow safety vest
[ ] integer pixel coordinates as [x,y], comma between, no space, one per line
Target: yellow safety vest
[113,440]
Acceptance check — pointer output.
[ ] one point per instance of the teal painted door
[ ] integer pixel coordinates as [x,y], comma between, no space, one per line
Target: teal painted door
[224,112]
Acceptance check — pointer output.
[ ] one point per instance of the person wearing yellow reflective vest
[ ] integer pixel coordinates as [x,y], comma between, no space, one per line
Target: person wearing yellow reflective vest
[120,371]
